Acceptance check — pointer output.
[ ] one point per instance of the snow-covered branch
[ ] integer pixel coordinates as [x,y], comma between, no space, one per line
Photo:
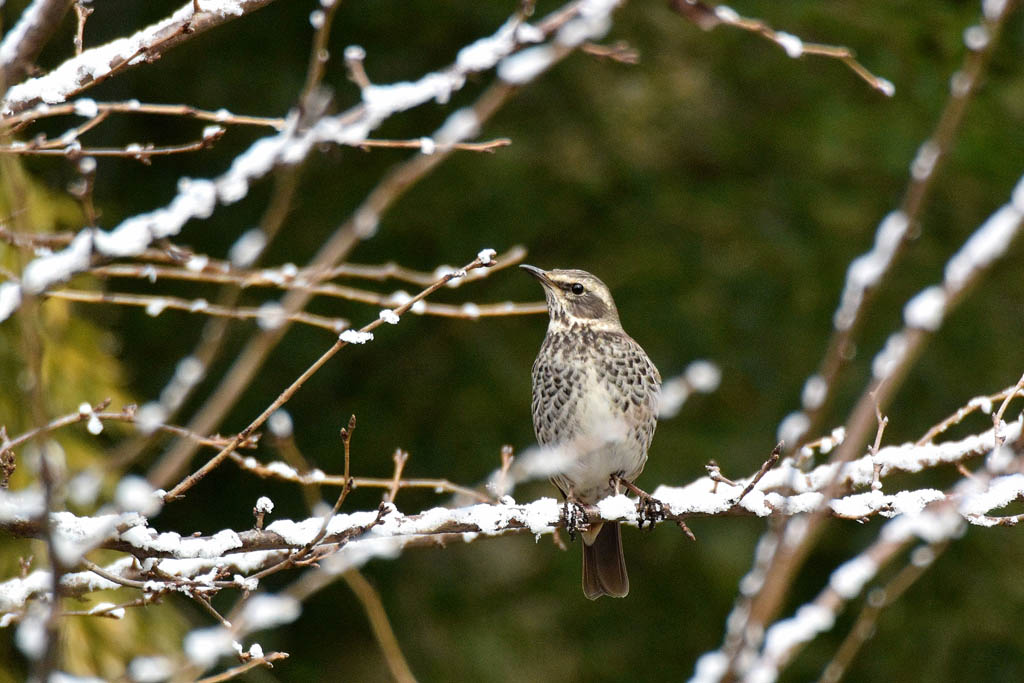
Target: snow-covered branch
[935,525]
[23,42]
[99,63]
[162,561]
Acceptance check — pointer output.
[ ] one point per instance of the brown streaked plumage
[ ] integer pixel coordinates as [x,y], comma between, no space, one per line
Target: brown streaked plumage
[595,404]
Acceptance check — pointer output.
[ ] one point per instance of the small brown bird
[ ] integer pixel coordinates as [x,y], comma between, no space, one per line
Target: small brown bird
[595,406]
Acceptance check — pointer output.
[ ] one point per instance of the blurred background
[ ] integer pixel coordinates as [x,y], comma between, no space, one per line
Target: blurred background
[718,187]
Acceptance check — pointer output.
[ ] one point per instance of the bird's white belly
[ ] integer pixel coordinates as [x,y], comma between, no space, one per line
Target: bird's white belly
[603,447]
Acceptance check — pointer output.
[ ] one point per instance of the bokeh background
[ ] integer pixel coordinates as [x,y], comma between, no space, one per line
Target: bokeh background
[719,187]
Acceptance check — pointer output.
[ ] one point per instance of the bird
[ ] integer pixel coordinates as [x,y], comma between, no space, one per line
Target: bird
[594,407]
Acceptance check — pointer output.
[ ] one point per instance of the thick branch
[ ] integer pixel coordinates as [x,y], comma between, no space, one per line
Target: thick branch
[23,43]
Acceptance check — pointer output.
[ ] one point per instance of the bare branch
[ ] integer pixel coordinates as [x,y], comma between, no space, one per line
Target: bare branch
[708,17]
[222,117]
[381,626]
[74,150]
[82,13]
[265,661]
[268,316]
[426,145]
[96,416]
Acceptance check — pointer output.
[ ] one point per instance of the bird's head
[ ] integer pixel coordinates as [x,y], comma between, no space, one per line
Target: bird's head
[576,297]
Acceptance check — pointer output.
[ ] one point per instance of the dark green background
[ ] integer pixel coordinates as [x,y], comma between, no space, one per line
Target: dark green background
[720,189]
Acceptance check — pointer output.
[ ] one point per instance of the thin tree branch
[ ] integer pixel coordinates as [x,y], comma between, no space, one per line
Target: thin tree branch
[222,117]
[708,17]
[381,626]
[265,661]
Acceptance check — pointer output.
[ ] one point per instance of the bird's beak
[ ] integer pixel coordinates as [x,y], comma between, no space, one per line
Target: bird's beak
[537,273]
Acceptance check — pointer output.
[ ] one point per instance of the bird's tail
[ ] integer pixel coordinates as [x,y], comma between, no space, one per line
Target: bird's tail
[604,566]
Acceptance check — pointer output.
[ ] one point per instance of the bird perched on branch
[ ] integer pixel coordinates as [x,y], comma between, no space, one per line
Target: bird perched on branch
[595,406]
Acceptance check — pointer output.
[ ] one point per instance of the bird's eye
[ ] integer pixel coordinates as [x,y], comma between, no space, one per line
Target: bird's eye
[576,288]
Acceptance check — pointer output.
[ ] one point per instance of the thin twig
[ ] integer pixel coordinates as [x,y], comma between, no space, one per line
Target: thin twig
[708,17]
[346,438]
[997,419]
[864,627]
[204,602]
[47,660]
[318,53]
[400,457]
[126,415]
[113,578]
[883,421]
[146,599]
[974,405]
[82,12]
[380,625]
[156,304]
[265,661]
[318,478]
[767,465]
[189,481]
[715,474]
[32,240]
[182,264]
[63,144]
[507,458]
[620,51]
[421,144]
[223,116]
[141,153]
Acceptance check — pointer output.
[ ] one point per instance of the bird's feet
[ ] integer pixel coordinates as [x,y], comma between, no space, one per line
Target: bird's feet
[576,519]
[649,509]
